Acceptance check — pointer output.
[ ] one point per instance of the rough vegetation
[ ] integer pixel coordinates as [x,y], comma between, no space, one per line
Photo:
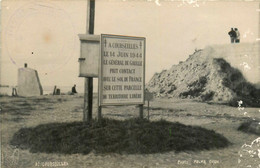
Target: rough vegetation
[251,126]
[114,136]
[206,77]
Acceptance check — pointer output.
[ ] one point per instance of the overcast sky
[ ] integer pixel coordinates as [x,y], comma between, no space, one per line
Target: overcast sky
[44,33]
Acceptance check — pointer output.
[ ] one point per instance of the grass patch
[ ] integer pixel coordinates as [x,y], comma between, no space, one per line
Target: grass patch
[17,109]
[133,136]
[163,109]
[24,106]
[250,127]
[49,100]
[78,108]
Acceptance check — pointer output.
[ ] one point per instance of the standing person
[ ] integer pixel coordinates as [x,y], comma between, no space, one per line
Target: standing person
[232,35]
[237,36]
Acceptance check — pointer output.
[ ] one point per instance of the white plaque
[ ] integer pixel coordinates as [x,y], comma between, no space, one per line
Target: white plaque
[122,70]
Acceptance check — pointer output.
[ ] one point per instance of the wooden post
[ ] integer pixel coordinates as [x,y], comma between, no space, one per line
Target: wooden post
[258,36]
[141,111]
[259,24]
[88,95]
[91,16]
[148,110]
[88,100]
[99,113]
[54,90]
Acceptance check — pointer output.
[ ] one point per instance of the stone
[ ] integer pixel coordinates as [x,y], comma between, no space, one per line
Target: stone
[28,83]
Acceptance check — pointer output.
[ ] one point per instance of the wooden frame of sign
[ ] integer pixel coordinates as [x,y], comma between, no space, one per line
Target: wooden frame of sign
[121,70]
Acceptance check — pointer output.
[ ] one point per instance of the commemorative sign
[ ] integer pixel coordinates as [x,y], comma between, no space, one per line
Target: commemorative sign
[122,70]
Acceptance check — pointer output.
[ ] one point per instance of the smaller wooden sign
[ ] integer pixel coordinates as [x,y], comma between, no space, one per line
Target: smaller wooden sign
[89,55]
[148,96]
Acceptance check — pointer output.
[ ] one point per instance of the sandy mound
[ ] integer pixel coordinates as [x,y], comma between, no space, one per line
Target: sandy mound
[207,77]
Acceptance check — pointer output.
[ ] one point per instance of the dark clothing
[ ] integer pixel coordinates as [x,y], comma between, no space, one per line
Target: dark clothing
[233,35]
[73,90]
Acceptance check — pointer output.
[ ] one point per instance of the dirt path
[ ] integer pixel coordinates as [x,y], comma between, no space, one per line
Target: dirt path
[17,113]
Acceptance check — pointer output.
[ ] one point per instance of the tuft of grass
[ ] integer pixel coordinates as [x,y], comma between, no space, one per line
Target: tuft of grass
[252,126]
[163,109]
[133,136]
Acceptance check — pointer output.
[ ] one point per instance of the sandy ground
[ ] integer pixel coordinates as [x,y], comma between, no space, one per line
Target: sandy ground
[18,113]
